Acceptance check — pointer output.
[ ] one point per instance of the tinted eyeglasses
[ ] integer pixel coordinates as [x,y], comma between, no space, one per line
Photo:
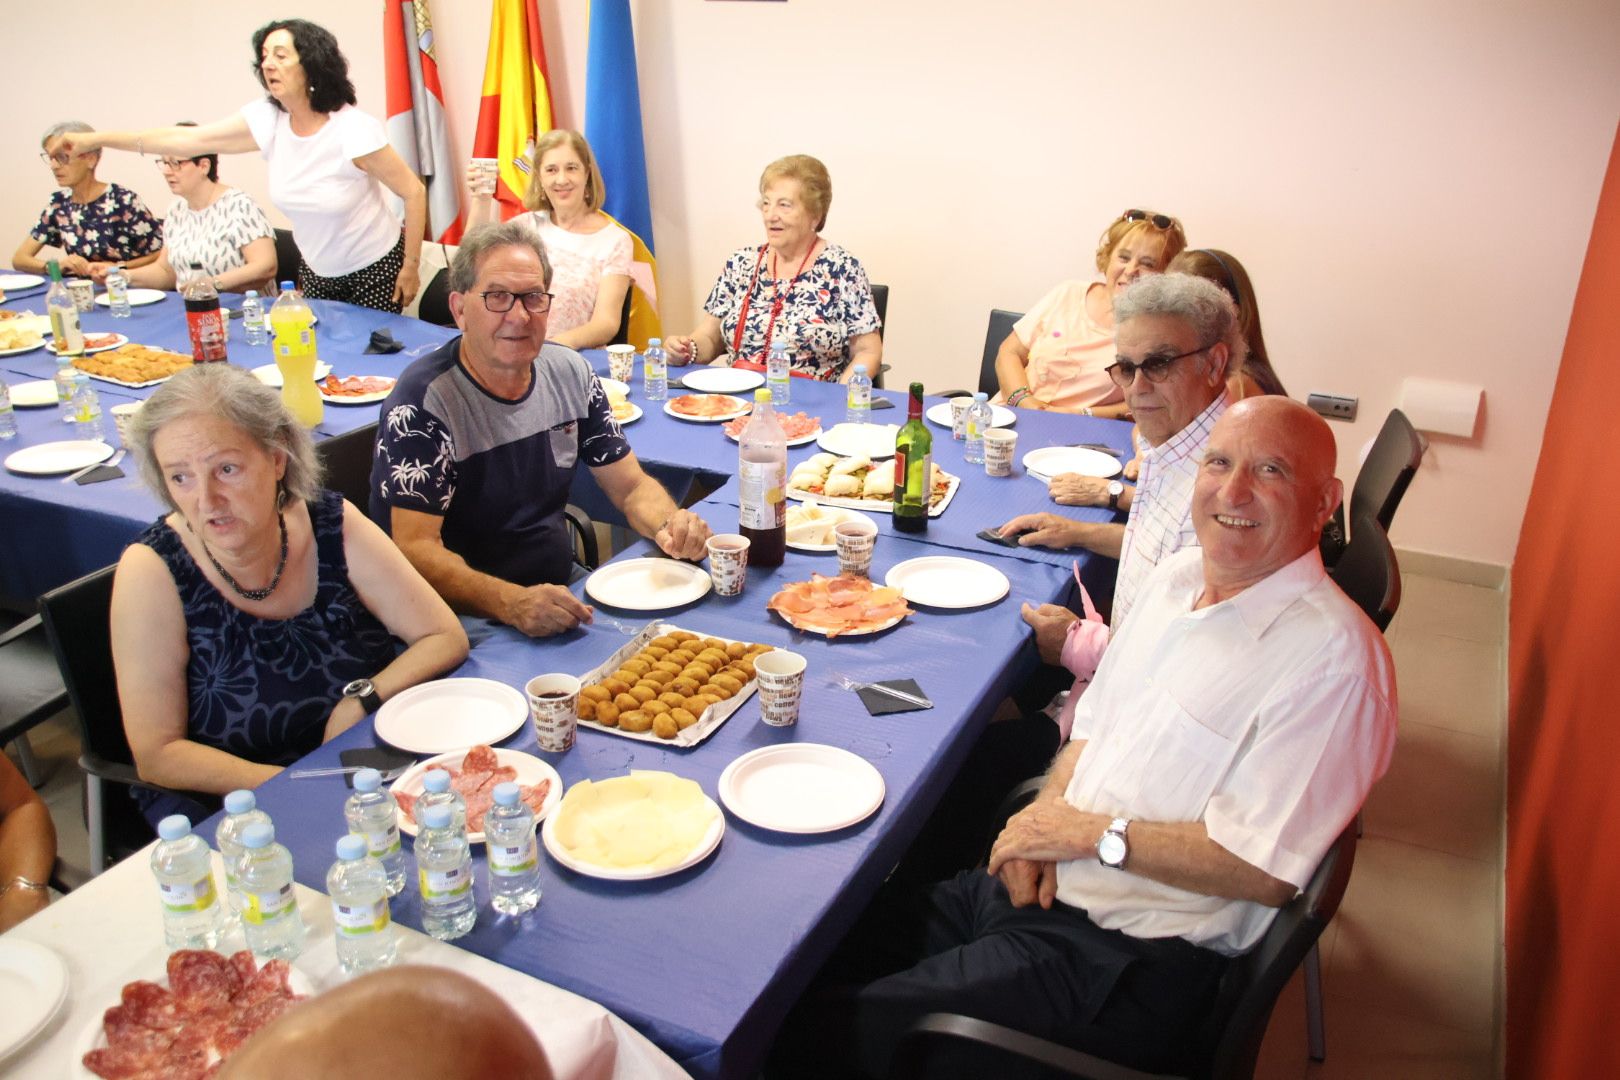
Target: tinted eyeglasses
[1156,368]
[500,301]
[1162,222]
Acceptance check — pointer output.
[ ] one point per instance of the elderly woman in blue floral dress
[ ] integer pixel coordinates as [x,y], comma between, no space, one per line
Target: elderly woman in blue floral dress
[794,288]
[262,615]
[93,224]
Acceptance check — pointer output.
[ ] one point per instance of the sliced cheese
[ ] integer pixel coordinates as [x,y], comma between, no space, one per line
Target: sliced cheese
[647,820]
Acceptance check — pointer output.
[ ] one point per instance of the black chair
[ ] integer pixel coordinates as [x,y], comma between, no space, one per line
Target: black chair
[434,307]
[31,689]
[346,462]
[1232,1034]
[623,336]
[288,257]
[584,530]
[1369,573]
[1380,485]
[76,621]
[880,300]
[1000,325]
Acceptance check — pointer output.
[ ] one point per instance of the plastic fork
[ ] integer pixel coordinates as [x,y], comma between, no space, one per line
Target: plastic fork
[597,618]
[848,683]
[344,770]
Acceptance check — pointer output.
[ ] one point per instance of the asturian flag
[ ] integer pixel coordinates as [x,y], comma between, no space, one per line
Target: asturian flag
[416,127]
[613,128]
[516,106]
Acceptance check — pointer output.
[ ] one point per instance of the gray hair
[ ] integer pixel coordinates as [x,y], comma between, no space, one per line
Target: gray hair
[56,131]
[482,239]
[230,394]
[1196,301]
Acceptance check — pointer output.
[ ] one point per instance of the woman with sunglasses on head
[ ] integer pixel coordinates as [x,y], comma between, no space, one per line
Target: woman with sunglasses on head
[1057,355]
[218,227]
[331,168]
[88,220]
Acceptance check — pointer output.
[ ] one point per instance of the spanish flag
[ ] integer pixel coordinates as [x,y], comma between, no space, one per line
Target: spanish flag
[613,128]
[516,107]
[416,127]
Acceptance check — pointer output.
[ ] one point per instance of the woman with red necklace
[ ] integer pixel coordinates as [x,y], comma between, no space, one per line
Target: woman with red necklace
[795,288]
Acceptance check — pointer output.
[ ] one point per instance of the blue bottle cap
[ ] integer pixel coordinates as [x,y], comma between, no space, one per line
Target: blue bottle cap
[259,834]
[860,369]
[367,780]
[436,817]
[981,396]
[351,847]
[436,780]
[287,286]
[654,341]
[240,801]
[507,794]
[174,827]
[251,292]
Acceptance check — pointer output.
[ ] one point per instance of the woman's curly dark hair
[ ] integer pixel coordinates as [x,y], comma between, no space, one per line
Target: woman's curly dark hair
[325,69]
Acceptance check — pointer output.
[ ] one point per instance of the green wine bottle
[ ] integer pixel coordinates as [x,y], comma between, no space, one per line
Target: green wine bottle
[913,468]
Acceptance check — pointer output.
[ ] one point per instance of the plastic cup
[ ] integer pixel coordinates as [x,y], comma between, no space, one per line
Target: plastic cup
[855,540]
[122,416]
[728,563]
[621,362]
[781,683]
[484,175]
[999,444]
[554,707]
[83,292]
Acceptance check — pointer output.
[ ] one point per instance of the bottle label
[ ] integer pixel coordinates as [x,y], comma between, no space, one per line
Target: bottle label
[509,860]
[382,843]
[180,898]
[860,397]
[440,885]
[260,908]
[761,484]
[360,920]
[912,497]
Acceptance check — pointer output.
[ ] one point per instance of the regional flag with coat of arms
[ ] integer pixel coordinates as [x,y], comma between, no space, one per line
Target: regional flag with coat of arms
[416,125]
[515,109]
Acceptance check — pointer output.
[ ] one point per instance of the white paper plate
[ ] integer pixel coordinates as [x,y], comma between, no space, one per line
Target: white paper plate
[1049,461]
[137,297]
[635,414]
[647,584]
[839,514]
[876,506]
[17,283]
[33,984]
[802,440]
[710,841]
[611,385]
[23,348]
[36,394]
[359,399]
[948,581]
[743,408]
[270,375]
[1000,416]
[54,458]
[721,380]
[801,788]
[860,440]
[451,714]
[530,771]
[105,342]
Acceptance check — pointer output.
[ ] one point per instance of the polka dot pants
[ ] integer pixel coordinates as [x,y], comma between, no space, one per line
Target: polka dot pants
[371,286]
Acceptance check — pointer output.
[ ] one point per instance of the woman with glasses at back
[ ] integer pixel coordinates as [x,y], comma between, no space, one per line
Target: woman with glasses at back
[1057,354]
[88,220]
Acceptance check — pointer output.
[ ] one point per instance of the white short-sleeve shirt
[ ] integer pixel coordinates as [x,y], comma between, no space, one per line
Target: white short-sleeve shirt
[1267,717]
[340,216]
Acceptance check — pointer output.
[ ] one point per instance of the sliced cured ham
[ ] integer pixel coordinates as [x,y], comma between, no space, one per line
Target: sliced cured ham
[797,426]
[839,605]
[355,385]
[707,406]
[481,770]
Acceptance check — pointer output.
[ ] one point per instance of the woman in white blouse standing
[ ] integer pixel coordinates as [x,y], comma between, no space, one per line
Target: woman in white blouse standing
[590,254]
[329,164]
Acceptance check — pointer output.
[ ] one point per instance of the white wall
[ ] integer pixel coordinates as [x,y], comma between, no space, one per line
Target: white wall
[1411,185]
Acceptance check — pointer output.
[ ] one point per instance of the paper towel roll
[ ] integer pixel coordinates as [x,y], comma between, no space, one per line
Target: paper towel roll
[1445,408]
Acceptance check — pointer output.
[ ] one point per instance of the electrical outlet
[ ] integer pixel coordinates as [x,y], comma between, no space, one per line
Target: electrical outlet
[1333,406]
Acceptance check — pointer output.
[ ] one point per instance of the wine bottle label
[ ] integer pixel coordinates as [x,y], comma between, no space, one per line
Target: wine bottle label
[762,502]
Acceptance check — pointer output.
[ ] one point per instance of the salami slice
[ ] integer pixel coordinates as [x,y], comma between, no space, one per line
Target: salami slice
[478,804]
[202,980]
[269,982]
[245,966]
[120,1063]
[407,804]
[466,782]
[150,1005]
[501,775]
[251,1019]
[480,759]
[535,796]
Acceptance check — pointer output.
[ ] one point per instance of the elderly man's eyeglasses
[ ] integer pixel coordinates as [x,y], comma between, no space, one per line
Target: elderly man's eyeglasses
[1162,222]
[61,158]
[500,301]
[1156,368]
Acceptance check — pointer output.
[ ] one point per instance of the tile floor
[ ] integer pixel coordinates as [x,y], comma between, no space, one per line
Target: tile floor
[1412,965]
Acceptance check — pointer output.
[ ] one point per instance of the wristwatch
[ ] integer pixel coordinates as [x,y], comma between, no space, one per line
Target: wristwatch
[365,693]
[1115,490]
[1112,849]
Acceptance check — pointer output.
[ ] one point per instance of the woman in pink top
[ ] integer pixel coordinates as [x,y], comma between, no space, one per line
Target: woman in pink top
[590,253]
[1056,355]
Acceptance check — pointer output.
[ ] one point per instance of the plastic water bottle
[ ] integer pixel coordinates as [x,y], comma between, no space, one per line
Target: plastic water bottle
[8,418]
[361,923]
[444,875]
[373,816]
[655,371]
[192,915]
[776,374]
[436,791]
[86,407]
[264,873]
[978,422]
[241,810]
[252,318]
[118,292]
[64,388]
[860,397]
[514,858]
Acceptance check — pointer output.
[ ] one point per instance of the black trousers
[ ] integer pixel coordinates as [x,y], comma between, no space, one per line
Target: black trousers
[960,946]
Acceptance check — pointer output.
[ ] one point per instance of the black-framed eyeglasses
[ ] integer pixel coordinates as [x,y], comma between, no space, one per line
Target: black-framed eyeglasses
[170,163]
[1156,368]
[1162,222]
[61,158]
[500,301]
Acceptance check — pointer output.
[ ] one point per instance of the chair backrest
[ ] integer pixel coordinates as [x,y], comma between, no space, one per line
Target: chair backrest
[1369,573]
[288,258]
[880,300]
[434,306]
[1258,977]
[622,337]
[1384,476]
[76,617]
[1001,324]
[346,460]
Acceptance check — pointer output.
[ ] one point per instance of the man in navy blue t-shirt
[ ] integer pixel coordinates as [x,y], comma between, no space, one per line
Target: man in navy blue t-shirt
[479,439]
